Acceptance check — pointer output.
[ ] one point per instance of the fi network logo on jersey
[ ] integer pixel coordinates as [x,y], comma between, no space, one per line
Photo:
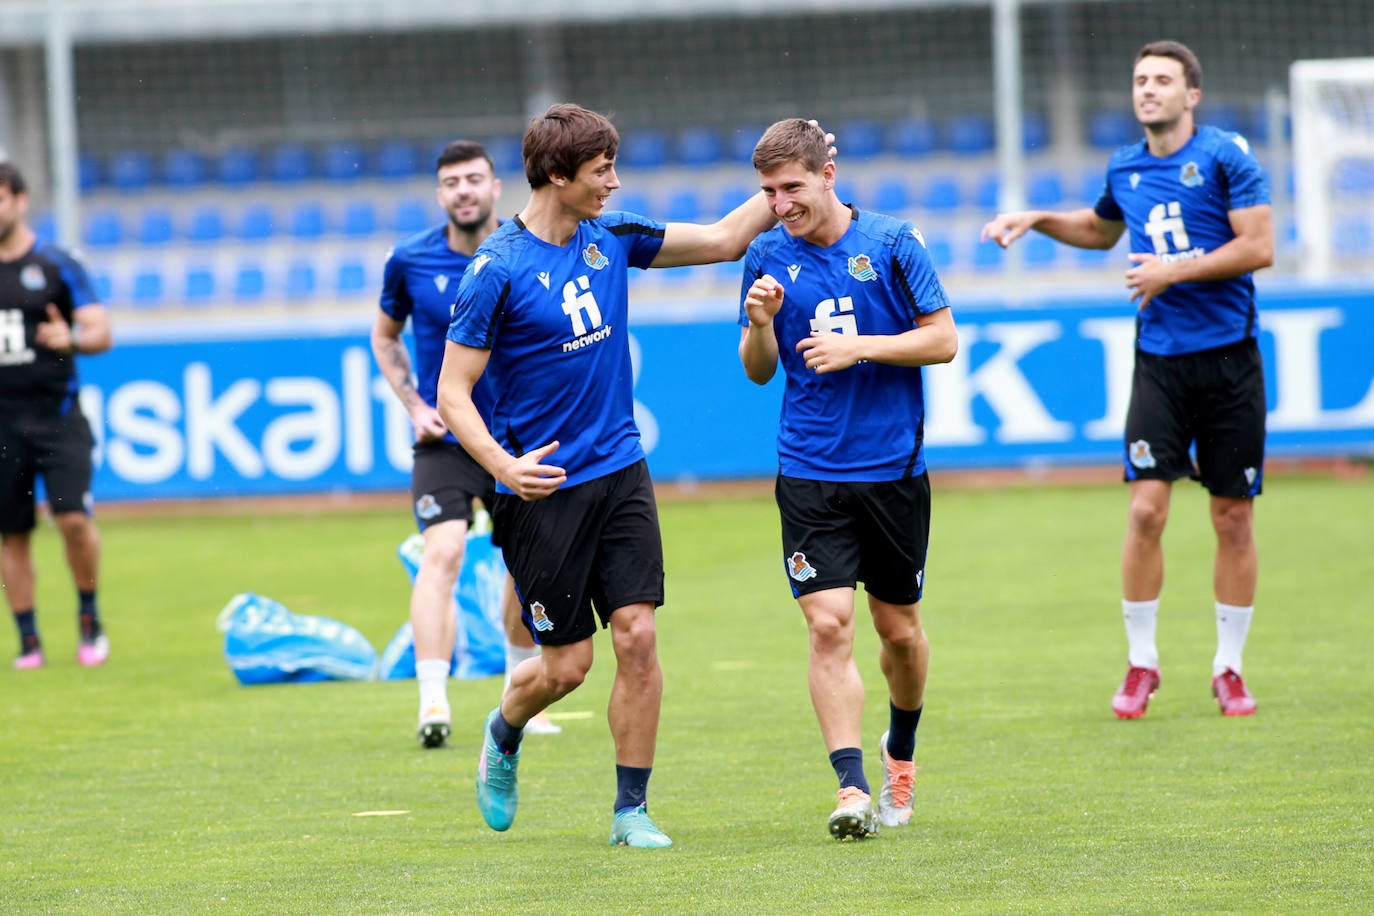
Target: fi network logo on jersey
[594,258]
[578,300]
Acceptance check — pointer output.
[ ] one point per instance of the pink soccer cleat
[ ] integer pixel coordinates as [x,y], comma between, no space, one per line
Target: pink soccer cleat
[29,660]
[93,652]
[1234,700]
[1135,692]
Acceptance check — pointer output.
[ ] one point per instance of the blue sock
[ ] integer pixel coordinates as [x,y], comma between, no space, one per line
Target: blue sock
[631,786]
[507,736]
[27,621]
[849,766]
[88,615]
[901,731]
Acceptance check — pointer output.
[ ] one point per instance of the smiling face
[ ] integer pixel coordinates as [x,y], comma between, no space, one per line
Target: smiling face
[585,194]
[467,191]
[801,199]
[1160,93]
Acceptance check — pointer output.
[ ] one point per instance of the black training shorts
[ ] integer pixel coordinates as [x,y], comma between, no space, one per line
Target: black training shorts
[444,481]
[56,447]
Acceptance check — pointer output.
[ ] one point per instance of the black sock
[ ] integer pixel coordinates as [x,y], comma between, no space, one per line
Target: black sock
[88,615]
[849,767]
[27,621]
[901,732]
[507,736]
[631,786]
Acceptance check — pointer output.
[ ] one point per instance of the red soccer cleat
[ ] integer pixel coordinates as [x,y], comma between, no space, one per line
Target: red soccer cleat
[1135,692]
[1234,700]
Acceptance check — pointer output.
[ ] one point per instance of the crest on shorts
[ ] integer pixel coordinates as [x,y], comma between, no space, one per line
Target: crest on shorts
[1140,455]
[594,258]
[798,567]
[861,268]
[427,507]
[541,620]
[1189,175]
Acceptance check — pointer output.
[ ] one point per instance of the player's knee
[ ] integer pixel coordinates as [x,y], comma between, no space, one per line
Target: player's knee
[1233,523]
[565,675]
[1147,517]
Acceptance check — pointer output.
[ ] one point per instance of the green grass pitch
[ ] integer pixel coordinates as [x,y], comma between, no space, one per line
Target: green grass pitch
[157,785]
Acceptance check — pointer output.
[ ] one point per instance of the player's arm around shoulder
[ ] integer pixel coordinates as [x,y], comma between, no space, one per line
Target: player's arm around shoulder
[724,240]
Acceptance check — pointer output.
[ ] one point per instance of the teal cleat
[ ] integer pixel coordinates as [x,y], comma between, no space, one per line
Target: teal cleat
[632,827]
[496,790]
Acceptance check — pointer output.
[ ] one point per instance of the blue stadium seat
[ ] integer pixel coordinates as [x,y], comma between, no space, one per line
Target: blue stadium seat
[351,278]
[155,227]
[300,280]
[506,154]
[644,148]
[207,225]
[700,146]
[104,286]
[89,174]
[103,229]
[741,142]
[988,256]
[941,253]
[238,165]
[343,162]
[257,223]
[147,288]
[396,159]
[359,218]
[684,206]
[892,195]
[131,170]
[913,137]
[860,138]
[941,195]
[250,283]
[307,220]
[1035,132]
[1112,127]
[290,163]
[1045,190]
[199,286]
[184,168]
[970,134]
[1041,251]
[1091,183]
[411,216]
[987,195]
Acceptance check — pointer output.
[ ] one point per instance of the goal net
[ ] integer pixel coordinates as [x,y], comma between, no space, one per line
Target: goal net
[1333,164]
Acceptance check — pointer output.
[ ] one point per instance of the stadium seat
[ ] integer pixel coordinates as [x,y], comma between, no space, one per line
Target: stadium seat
[862,138]
[396,159]
[891,195]
[1045,190]
[941,253]
[103,229]
[183,168]
[89,174]
[207,225]
[104,286]
[300,280]
[683,206]
[290,163]
[307,220]
[941,194]
[341,161]
[155,227]
[238,165]
[250,283]
[256,223]
[1091,184]
[359,218]
[131,170]
[643,148]
[913,137]
[147,289]
[351,278]
[505,153]
[1112,127]
[1041,251]
[970,134]
[411,216]
[742,141]
[988,256]
[700,146]
[199,287]
[987,195]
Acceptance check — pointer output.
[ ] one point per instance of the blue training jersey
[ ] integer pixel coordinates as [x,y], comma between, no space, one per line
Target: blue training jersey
[420,282]
[554,318]
[864,423]
[1178,207]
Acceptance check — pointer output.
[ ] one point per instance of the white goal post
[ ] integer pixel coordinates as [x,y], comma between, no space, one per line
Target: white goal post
[1333,122]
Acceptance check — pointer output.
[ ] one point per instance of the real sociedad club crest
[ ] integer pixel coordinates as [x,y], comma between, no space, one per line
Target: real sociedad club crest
[541,620]
[427,507]
[32,279]
[594,258]
[1140,455]
[798,567]
[861,268]
[1189,175]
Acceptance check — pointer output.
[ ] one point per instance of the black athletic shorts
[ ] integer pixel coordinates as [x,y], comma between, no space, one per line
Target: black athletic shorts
[582,552]
[1214,401]
[56,447]
[835,535]
[444,481]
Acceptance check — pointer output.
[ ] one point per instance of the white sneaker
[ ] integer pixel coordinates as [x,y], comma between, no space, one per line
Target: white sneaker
[542,725]
[434,727]
[899,784]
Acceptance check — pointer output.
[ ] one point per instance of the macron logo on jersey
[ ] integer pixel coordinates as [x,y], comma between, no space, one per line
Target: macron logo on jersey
[793,270]
[441,282]
[482,260]
[543,277]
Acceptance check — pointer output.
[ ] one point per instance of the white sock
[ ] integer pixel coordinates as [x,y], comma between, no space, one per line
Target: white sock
[517,654]
[1233,625]
[1141,617]
[432,673]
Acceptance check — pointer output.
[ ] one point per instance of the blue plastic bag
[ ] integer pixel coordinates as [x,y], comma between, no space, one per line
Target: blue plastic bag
[479,646]
[265,643]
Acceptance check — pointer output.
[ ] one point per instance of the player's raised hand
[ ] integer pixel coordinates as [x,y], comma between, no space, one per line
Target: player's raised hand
[531,479]
[1006,228]
[55,333]
[763,300]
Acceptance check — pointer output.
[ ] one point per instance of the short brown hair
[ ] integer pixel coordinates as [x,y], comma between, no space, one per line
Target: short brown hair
[11,176]
[463,151]
[560,140]
[791,140]
[1192,70]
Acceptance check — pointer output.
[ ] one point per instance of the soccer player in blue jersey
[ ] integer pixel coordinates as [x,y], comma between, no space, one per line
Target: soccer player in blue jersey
[1196,204]
[49,314]
[419,284]
[541,314]
[849,304]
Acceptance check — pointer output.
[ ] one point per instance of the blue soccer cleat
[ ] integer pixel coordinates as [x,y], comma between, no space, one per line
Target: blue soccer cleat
[632,827]
[496,791]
